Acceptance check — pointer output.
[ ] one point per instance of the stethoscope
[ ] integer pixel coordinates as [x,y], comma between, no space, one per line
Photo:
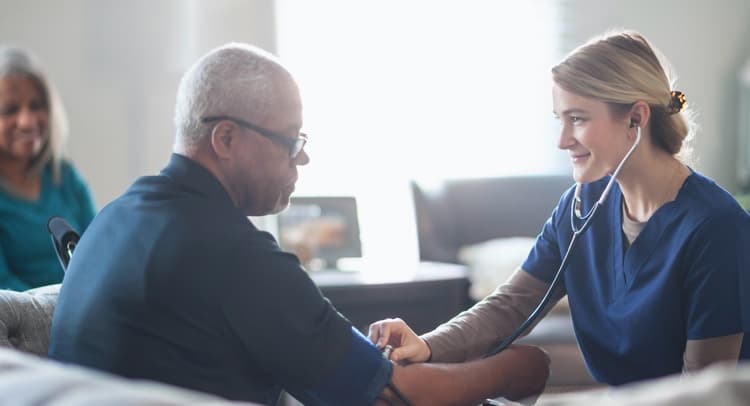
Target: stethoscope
[575,216]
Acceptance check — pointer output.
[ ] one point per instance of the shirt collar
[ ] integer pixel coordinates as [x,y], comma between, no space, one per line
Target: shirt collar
[193,175]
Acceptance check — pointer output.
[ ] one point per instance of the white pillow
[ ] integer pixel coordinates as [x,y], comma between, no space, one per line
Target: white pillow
[492,262]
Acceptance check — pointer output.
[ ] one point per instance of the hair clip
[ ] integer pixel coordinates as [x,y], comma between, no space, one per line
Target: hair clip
[676,102]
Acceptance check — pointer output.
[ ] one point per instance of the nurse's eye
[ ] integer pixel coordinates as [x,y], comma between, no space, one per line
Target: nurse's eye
[576,120]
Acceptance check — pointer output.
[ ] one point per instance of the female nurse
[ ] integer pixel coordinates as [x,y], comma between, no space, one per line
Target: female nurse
[660,282]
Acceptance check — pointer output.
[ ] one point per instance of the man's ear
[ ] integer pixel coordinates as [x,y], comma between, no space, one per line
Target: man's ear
[221,140]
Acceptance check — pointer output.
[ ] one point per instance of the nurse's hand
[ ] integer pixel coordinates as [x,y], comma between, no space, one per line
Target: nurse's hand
[407,345]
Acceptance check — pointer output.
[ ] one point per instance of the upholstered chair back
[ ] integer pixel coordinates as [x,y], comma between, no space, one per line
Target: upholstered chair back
[26,317]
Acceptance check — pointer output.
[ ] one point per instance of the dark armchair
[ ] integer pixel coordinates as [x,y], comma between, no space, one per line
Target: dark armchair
[457,213]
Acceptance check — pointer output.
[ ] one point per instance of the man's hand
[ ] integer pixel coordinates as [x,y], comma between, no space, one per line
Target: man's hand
[517,373]
[407,345]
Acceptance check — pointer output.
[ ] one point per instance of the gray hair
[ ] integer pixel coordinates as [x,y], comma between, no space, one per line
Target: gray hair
[17,61]
[234,79]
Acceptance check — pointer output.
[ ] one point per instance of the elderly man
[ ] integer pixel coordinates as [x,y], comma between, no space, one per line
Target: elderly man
[171,282]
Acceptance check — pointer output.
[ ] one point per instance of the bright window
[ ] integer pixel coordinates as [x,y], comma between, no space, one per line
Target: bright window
[396,90]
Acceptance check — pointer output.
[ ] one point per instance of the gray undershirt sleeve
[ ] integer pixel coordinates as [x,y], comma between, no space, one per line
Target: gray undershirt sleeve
[476,331]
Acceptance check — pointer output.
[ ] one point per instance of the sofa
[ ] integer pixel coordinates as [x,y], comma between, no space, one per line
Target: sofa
[489,225]
[27,377]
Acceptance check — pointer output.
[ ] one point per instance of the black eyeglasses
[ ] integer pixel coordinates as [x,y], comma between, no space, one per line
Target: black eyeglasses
[295,146]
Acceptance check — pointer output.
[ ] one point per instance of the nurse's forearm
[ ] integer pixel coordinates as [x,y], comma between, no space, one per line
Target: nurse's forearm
[516,373]
[474,332]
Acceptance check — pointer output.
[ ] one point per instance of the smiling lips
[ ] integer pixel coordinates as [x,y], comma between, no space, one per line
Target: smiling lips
[28,139]
[579,157]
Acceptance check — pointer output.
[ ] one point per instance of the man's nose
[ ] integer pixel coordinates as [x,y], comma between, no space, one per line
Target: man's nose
[302,158]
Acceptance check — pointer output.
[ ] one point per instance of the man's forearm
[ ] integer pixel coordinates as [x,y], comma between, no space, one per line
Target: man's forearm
[516,373]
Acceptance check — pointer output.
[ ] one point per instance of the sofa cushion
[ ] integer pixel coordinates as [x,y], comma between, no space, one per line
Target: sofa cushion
[719,384]
[492,262]
[27,380]
[25,318]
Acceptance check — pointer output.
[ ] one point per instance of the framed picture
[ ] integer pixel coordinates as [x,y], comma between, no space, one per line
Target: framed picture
[320,230]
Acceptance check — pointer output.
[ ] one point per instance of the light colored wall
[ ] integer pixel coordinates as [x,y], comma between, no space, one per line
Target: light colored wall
[117,65]
[707,43]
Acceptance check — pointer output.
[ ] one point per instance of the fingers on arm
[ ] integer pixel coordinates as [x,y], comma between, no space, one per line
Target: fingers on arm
[407,345]
[379,333]
[385,331]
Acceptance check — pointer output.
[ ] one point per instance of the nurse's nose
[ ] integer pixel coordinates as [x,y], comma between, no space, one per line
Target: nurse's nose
[565,139]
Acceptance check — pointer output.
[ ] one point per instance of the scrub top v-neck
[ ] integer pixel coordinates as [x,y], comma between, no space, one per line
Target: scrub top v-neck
[683,278]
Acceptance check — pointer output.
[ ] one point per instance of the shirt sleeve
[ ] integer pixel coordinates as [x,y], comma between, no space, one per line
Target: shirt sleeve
[357,380]
[8,280]
[716,284]
[476,331]
[545,258]
[293,333]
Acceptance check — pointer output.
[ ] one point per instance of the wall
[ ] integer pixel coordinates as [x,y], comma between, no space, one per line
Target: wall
[707,43]
[117,65]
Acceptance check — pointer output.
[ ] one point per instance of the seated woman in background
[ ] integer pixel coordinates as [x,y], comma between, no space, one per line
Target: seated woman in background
[35,182]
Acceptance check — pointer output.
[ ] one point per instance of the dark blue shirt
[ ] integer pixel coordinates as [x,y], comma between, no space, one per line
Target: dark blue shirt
[685,277]
[171,282]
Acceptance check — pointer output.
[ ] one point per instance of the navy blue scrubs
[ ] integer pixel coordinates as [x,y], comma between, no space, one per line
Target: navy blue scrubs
[685,277]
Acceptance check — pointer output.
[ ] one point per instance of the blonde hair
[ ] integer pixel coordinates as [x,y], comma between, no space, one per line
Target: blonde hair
[17,61]
[621,68]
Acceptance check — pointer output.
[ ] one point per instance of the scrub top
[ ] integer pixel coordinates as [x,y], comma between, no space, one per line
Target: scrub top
[685,277]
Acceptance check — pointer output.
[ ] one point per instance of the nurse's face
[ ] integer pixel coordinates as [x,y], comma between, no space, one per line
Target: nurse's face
[595,140]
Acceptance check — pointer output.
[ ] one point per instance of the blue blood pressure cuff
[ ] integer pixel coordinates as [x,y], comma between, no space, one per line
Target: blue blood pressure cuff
[358,379]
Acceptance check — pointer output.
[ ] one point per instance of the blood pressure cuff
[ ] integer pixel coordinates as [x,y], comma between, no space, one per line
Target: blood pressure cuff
[358,379]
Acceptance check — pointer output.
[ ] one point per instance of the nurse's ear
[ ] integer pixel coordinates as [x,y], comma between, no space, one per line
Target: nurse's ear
[639,115]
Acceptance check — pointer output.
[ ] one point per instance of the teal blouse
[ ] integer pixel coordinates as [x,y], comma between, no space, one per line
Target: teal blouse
[27,256]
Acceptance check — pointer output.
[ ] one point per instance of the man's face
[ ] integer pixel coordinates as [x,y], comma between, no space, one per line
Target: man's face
[262,172]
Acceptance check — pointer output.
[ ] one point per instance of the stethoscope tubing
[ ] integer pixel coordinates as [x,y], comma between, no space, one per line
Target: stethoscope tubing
[575,213]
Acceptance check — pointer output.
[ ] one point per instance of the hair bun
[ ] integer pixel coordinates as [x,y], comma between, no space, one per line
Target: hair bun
[676,102]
